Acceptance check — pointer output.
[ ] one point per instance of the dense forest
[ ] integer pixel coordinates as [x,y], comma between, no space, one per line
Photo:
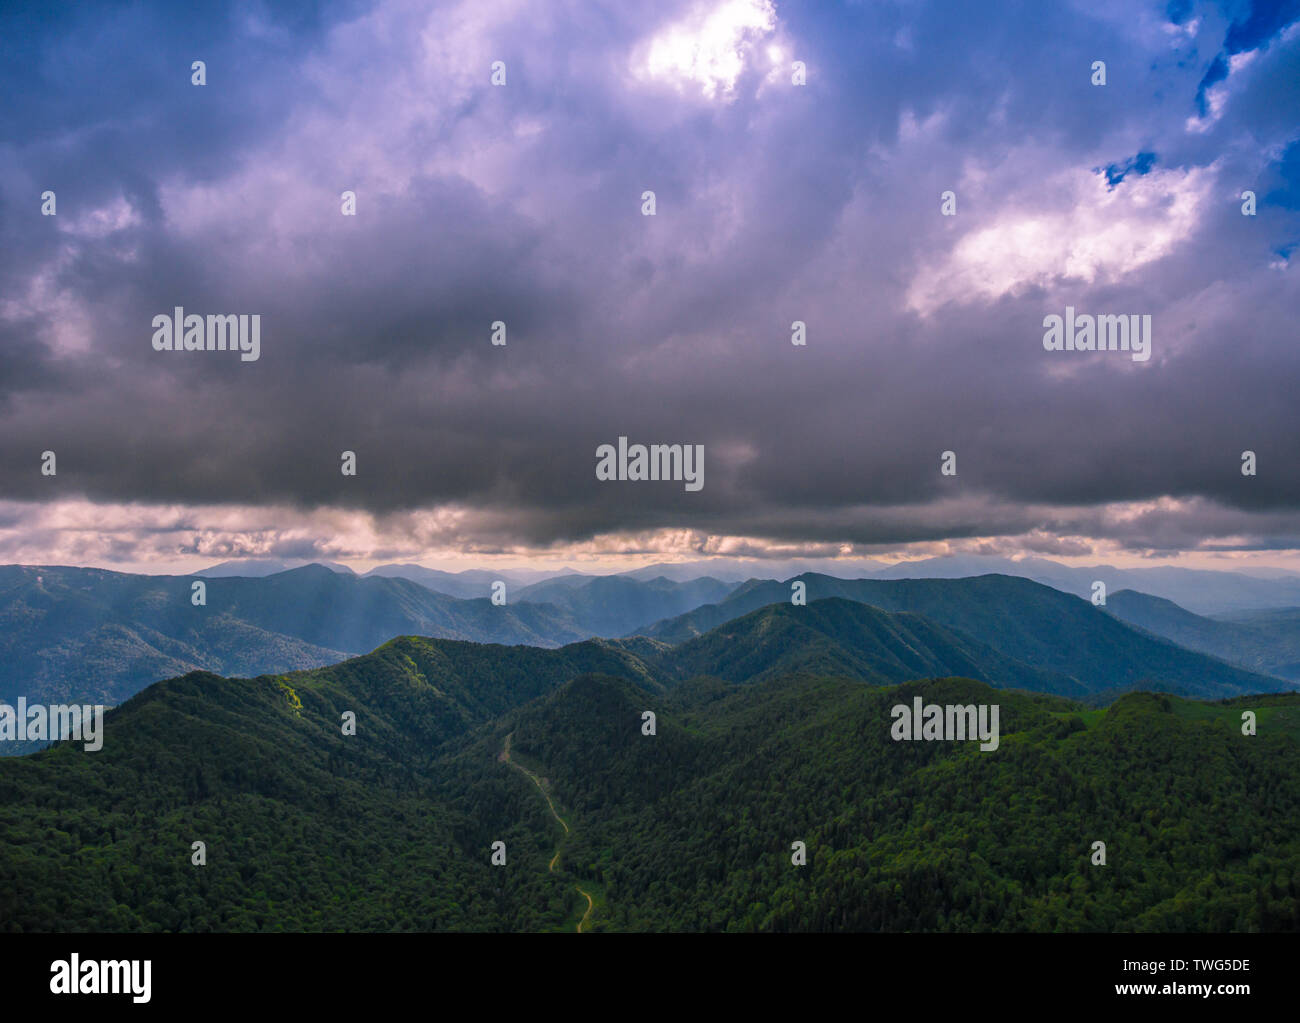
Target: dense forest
[689,828]
[692,829]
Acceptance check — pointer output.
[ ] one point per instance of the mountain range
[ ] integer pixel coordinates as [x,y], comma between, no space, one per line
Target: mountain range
[99,637]
[1202,591]
[463,751]
[92,636]
[1025,621]
[1263,641]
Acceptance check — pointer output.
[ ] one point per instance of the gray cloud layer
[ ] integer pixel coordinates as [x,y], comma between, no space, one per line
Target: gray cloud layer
[775,203]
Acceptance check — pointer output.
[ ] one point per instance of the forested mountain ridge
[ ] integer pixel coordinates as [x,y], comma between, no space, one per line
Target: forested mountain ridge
[1020,619]
[1266,642]
[697,833]
[301,829]
[688,828]
[835,636]
[308,828]
[98,637]
[89,636]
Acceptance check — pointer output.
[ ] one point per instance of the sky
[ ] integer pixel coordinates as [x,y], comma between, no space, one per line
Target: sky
[783,192]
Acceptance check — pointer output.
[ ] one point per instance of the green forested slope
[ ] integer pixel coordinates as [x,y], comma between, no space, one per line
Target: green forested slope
[687,829]
[1020,619]
[844,637]
[1267,641]
[1198,820]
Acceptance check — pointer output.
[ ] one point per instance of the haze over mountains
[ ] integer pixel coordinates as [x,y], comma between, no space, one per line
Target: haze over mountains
[1265,641]
[617,605]
[91,636]
[96,636]
[469,583]
[1198,590]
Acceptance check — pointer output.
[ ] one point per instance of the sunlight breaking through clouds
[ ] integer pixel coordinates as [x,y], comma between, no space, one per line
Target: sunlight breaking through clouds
[710,47]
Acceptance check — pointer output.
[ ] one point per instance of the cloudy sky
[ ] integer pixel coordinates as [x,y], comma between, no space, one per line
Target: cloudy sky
[775,202]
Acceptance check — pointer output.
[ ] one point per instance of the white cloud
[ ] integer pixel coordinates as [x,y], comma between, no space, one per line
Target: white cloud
[1081,229]
[708,49]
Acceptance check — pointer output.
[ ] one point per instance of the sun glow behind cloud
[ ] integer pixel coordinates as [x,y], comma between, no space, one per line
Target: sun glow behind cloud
[709,48]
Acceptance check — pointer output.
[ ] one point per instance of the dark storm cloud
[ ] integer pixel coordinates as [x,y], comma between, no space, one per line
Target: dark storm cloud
[775,204]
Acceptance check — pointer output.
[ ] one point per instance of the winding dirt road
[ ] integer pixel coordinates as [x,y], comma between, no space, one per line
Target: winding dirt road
[564,824]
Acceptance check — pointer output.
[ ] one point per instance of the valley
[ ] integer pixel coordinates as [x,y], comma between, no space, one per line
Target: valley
[686,829]
[369,794]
